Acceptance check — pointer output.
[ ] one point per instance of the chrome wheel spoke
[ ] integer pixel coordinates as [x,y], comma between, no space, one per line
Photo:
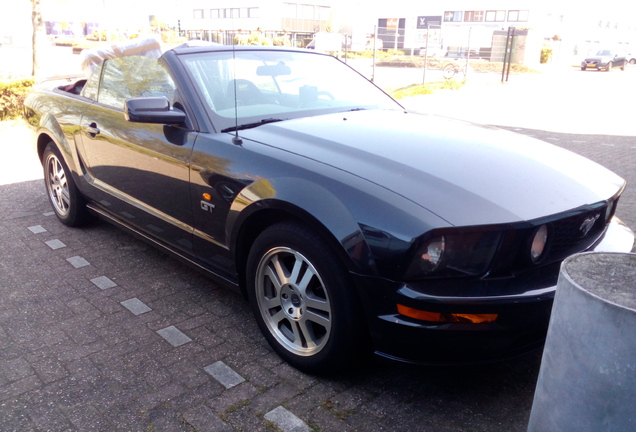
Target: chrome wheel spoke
[65,197]
[278,317]
[318,304]
[298,340]
[318,319]
[271,303]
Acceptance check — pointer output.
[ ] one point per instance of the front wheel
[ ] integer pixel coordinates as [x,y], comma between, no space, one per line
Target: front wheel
[65,198]
[610,65]
[303,300]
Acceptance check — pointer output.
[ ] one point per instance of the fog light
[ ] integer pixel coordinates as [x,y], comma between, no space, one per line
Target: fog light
[445,317]
[538,243]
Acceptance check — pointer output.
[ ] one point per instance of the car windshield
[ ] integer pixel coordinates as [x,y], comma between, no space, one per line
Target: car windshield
[604,53]
[246,87]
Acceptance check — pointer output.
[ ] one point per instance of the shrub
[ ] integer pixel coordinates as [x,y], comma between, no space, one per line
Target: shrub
[12,94]
[254,38]
[546,54]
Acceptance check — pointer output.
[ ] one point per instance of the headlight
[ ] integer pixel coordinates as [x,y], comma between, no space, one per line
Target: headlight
[454,254]
[432,254]
[538,243]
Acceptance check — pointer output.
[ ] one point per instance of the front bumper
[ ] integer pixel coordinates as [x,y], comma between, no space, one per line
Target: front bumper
[522,304]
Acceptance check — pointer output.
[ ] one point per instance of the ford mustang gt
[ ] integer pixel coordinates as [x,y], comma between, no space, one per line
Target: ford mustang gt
[350,225]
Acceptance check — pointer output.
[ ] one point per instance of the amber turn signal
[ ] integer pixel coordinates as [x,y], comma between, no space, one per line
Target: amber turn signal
[445,317]
[207,197]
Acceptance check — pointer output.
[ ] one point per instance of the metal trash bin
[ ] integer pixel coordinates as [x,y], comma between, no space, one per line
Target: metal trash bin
[587,379]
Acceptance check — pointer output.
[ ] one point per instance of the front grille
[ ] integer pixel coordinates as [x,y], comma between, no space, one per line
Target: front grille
[575,233]
[567,235]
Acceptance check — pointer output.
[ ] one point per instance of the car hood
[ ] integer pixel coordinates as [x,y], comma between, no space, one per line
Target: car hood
[465,173]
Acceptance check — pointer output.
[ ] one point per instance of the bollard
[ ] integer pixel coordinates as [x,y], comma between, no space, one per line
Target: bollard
[587,379]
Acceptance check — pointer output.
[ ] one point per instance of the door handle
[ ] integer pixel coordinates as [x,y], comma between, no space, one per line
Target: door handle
[92,129]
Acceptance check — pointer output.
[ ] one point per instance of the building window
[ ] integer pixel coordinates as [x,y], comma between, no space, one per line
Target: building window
[453,16]
[517,15]
[324,13]
[307,12]
[198,13]
[496,15]
[234,13]
[474,16]
[289,10]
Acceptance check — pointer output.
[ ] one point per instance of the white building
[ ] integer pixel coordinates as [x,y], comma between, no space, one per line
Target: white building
[572,29]
[269,15]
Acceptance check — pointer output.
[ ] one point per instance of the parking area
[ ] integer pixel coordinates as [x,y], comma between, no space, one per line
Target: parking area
[100,332]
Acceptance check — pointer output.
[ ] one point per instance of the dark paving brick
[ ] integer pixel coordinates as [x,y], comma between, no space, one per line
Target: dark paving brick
[203,419]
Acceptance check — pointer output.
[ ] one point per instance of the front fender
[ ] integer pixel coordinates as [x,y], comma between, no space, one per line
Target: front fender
[310,202]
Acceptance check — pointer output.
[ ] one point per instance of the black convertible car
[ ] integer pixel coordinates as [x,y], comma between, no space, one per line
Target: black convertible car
[350,224]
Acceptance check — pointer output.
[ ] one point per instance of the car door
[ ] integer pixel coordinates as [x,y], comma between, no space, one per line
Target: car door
[140,172]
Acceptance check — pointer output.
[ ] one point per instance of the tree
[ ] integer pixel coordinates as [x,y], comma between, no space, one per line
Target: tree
[38,29]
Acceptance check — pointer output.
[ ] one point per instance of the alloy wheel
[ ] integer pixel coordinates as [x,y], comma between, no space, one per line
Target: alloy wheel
[57,185]
[293,301]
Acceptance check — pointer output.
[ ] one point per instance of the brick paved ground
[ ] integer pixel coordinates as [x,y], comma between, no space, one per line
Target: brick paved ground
[81,317]
[100,332]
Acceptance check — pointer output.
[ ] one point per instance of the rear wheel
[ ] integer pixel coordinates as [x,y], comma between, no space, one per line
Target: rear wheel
[303,300]
[65,198]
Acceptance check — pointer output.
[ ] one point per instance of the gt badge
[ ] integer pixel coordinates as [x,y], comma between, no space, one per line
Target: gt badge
[207,206]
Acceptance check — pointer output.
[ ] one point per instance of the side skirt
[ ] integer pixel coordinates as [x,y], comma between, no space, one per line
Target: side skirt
[233,285]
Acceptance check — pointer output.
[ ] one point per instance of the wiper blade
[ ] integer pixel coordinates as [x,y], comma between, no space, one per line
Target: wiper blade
[357,109]
[251,125]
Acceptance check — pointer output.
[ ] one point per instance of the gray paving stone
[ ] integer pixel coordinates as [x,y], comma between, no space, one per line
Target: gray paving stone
[55,244]
[136,306]
[203,419]
[102,282]
[174,336]
[286,420]
[49,213]
[78,262]
[224,374]
[36,229]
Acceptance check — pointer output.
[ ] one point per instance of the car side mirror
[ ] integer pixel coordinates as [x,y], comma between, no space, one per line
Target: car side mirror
[152,110]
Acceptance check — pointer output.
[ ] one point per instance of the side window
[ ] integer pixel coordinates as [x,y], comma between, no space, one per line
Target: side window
[134,76]
[92,84]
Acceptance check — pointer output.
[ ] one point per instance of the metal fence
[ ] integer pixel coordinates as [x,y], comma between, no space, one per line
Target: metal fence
[451,42]
[228,37]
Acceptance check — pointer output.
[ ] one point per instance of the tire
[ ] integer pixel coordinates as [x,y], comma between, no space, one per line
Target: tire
[632,61]
[303,300]
[583,68]
[449,71]
[610,65]
[65,198]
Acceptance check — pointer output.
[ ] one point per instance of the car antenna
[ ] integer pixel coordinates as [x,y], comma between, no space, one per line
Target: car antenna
[237,139]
